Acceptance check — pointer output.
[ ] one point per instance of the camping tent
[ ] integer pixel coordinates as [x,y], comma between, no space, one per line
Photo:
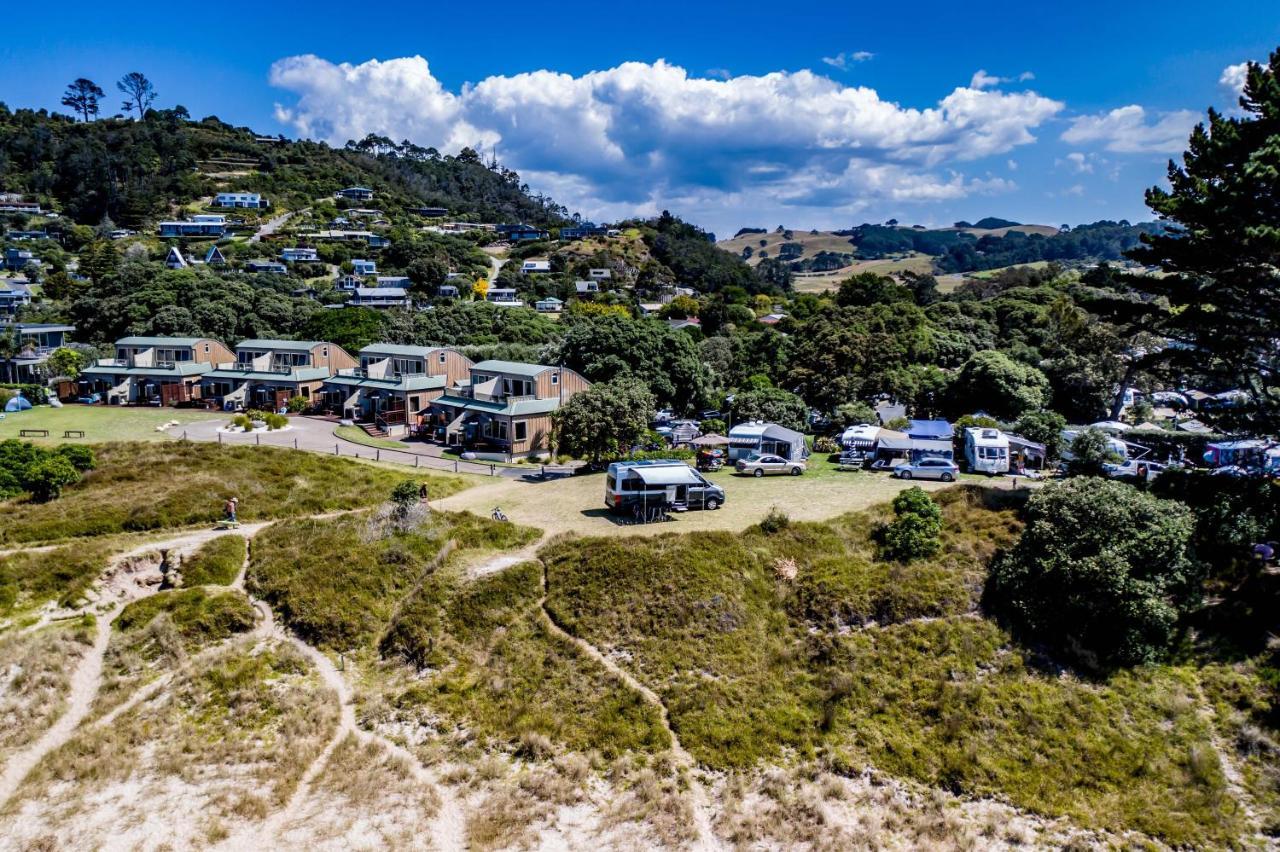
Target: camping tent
[18,403]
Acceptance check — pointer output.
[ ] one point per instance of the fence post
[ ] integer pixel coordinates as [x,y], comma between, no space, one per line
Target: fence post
[184,434]
[493,469]
[335,450]
[295,443]
[219,437]
[257,440]
[455,465]
[377,455]
[415,461]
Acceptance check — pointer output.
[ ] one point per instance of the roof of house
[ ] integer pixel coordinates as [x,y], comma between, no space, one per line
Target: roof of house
[398,349]
[382,292]
[755,431]
[550,299]
[38,327]
[138,340]
[512,409]
[514,368]
[180,368]
[401,383]
[281,345]
[300,374]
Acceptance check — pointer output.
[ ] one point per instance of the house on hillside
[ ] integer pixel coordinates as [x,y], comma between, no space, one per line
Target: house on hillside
[429,212]
[535,264]
[379,297]
[348,283]
[36,342]
[13,205]
[266,374]
[650,309]
[586,288]
[270,267]
[599,274]
[579,232]
[213,257]
[15,294]
[504,410]
[360,266]
[520,233]
[504,297]
[16,259]
[394,384]
[448,291]
[154,370]
[196,226]
[300,254]
[393,281]
[549,305]
[248,200]
[175,260]
[769,438]
[355,193]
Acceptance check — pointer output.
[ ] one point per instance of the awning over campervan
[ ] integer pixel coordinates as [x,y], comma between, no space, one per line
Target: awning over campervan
[675,474]
[890,440]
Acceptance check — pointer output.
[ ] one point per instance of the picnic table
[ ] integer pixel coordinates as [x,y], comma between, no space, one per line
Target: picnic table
[33,433]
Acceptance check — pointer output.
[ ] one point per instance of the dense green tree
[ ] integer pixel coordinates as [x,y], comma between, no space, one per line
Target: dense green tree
[1221,252]
[609,347]
[916,530]
[993,382]
[350,328]
[1090,452]
[1043,427]
[1100,575]
[868,288]
[772,405]
[65,362]
[854,412]
[605,419]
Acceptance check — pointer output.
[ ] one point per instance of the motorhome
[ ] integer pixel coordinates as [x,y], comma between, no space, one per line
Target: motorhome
[986,450]
[659,482]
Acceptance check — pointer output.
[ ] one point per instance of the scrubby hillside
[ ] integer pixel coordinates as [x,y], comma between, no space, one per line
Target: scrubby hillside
[132,172]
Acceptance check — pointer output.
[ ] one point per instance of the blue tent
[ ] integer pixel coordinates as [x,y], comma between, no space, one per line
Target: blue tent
[18,403]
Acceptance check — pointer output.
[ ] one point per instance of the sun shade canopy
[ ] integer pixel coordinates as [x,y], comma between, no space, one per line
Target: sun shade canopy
[676,474]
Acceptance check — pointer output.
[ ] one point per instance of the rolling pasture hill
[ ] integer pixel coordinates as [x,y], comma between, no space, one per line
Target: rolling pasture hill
[820,260]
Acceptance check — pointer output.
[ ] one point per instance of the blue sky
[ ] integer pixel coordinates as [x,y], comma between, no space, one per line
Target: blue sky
[730,114]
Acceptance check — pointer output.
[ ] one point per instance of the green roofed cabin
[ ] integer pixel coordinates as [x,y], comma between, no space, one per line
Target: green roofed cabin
[266,374]
[154,370]
[392,385]
[503,410]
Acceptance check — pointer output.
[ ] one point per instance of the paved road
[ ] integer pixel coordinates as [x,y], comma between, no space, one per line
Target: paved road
[316,435]
[274,224]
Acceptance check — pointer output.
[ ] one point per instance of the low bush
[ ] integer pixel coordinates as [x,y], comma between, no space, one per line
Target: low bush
[41,472]
[297,404]
[199,617]
[916,531]
[61,575]
[216,563]
[1100,575]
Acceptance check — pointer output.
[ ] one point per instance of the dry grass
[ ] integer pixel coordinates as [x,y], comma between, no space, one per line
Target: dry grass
[653,794]
[35,677]
[225,744]
[366,797]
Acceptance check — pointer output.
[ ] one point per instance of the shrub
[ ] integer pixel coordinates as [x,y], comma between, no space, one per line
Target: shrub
[216,563]
[1089,452]
[1100,575]
[199,617]
[243,421]
[775,522]
[824,444]
[81,457]
[275,421]
[297,404]
[46,477]
[916,532]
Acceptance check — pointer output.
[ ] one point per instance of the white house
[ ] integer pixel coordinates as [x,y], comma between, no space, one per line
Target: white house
[251,200]
[504,297]
[355,193]
[175,260]
[301,254]
[538,264]
[348,282]
[393,281]
[379,297]
[599,274]
[584,288]
[549,305]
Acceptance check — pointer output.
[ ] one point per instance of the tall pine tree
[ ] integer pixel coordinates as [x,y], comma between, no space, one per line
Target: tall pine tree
[1222,247]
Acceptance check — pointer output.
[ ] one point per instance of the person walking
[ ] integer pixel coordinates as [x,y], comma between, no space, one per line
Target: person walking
[229,509]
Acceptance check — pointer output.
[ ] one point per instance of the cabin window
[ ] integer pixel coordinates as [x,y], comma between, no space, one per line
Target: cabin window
[555,378]
[324,353]
[521,429]
[442,357]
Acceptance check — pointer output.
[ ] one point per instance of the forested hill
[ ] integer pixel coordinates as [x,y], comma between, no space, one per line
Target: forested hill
[133,172]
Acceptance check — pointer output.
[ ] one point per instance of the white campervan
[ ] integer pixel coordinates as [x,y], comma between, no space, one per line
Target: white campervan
[986,450]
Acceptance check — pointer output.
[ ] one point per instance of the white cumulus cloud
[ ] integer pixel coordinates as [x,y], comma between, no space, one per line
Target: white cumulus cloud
[982,80]
[642,135]
[1132,130]
[1233,77]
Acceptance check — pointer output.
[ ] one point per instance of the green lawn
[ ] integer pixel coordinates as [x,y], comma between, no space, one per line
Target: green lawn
[100,423]
[356,435]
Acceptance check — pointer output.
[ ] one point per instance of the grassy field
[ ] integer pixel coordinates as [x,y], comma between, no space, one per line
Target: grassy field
[356,435]
[138,487]
[919,263]
[803,643]
[576,504]
[100,423]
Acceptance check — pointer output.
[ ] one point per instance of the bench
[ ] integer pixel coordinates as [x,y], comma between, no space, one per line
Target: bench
[33,433]
[73,433]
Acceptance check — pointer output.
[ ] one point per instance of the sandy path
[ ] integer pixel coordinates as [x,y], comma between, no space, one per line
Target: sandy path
[503,561]
[84,688]
[697,792]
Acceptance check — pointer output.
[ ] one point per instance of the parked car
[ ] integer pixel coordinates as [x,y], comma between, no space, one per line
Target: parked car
[1132,469]
[758,464]
[710,414]
[943,469]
